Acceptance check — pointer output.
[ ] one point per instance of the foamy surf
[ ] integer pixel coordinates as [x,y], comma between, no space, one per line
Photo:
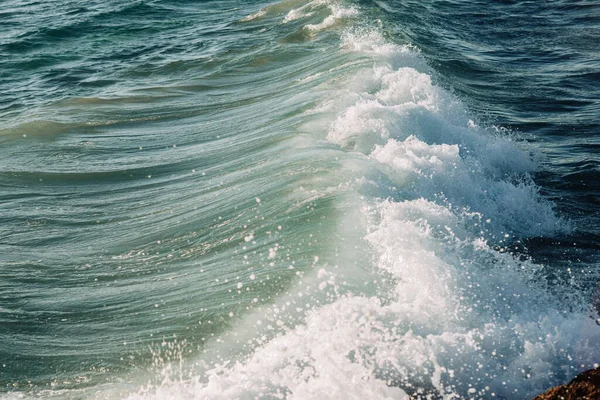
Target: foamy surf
[276,201]
[458,315]
[332,13]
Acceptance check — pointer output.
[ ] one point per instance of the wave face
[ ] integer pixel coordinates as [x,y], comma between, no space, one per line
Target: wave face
[306,199]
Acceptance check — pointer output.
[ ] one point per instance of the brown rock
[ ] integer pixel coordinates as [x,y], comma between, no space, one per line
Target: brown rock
[585,386]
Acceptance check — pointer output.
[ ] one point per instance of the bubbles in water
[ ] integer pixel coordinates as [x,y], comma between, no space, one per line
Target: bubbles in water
[455,318]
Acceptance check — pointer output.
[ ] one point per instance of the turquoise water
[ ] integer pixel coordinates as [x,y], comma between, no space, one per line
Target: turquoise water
[299,199]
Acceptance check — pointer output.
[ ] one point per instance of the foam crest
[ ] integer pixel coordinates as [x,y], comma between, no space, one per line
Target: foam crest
[439,172]
[434,150]
[337,14]
[305,11]
[457,320]
[455,316]
[316,360]
[257,15]
[296,14]
[481,316]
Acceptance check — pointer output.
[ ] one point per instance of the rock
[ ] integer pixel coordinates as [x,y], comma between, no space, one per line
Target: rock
[585,386]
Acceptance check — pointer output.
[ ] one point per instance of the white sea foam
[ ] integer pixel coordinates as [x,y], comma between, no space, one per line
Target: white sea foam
[256,15]
[302,12]
[431,146]
[337,14]
[454,318]
[296,14]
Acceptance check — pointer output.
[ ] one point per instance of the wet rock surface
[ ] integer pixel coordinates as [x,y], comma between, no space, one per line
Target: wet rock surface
[585,386]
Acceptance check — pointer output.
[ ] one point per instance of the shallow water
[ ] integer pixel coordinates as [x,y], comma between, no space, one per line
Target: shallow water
[298,199]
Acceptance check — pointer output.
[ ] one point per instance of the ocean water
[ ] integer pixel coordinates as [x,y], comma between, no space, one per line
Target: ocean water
[298,199]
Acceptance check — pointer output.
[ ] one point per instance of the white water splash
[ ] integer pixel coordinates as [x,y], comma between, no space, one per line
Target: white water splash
[454,317]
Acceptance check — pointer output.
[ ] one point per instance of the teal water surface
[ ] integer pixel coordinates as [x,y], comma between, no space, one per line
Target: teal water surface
[298,199]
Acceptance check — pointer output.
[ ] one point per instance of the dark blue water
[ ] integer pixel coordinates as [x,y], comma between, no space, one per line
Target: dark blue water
[298,199]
